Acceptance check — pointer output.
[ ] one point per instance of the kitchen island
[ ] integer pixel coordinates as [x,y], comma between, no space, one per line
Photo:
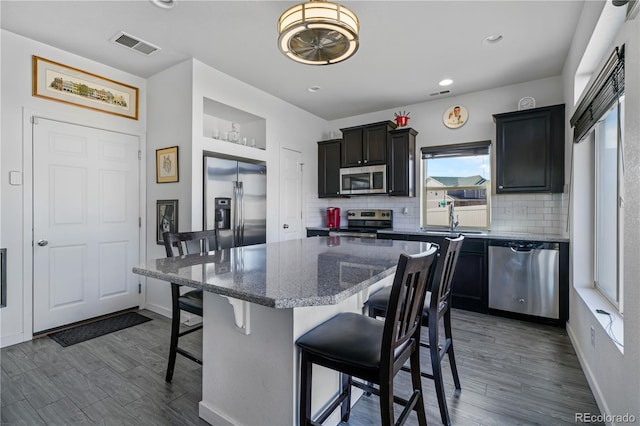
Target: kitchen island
[272,294]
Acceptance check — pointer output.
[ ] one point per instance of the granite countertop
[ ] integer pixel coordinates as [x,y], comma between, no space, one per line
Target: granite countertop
[494,235]
[287,274]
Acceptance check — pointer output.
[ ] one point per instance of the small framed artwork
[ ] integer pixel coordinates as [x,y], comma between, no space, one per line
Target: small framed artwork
[167,165]
[455,116]
[167,218]
[62,83]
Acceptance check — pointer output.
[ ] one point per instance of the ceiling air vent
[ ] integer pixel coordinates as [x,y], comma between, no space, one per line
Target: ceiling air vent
[442,92]
[134,43]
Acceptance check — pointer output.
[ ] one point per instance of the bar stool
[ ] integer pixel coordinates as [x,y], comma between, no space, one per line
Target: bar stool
[372,350]
[191,301]
[436,308]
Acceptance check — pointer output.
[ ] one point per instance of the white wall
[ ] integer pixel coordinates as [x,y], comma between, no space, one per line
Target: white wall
[614,375]
[168,124]
[181,121]
[15,145]
[426,118]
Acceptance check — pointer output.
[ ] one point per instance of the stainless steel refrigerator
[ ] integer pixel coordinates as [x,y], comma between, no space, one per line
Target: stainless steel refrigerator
[235,201]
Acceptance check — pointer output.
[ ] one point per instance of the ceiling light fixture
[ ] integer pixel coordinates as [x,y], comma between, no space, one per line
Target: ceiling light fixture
[494,38]
[318,32]
[165,4]
[446,82]
[313,89]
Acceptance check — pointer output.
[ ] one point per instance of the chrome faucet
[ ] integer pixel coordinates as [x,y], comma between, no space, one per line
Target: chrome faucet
[453,221]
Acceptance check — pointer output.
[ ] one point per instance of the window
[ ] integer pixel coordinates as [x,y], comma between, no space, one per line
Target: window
[456,177]
[601,111]
[608,205]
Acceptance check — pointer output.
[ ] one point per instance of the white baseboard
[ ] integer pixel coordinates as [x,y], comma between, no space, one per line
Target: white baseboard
[211,416]
[593,384]
[158,309]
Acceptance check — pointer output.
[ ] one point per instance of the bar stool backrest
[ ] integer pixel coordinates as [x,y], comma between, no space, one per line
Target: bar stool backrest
[441,286]
[181,243]
[406,302]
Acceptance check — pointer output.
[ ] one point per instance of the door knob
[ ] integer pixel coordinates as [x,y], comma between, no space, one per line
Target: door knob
[285,226]
[42,243]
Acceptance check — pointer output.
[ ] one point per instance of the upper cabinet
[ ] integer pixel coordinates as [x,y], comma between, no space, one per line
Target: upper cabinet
[401,170]
[530,150]
[329,168]
[365,145]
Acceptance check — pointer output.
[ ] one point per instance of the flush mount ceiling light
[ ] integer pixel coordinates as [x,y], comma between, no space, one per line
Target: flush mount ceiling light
[493,38]
[318,33]
[165,4]
[446,82]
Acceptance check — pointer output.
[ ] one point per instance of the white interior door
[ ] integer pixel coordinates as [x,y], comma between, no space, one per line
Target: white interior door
[290,194]
[86,232]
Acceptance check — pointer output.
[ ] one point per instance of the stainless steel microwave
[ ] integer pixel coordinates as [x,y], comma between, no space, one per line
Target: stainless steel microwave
[363,180]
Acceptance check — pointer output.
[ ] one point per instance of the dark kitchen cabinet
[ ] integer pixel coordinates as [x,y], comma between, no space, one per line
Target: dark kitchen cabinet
[365,145]
[530,150]
[329,168]
[401,161]
[470,280]
[469,287]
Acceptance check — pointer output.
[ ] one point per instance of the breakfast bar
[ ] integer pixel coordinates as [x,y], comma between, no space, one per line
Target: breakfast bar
[258,300]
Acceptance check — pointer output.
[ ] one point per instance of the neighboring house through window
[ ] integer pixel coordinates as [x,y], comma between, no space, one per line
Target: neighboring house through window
[456,177]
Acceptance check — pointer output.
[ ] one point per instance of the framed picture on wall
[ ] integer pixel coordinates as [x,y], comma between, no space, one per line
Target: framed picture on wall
[62,83]
[167,165]
[166,218]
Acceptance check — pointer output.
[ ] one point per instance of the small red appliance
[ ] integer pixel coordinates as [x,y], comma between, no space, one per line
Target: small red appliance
[333,217]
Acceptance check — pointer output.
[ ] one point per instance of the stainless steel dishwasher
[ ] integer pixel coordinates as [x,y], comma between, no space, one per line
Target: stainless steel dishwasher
[524,278]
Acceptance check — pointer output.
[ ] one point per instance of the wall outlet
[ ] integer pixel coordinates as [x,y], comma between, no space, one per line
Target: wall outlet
[593,337]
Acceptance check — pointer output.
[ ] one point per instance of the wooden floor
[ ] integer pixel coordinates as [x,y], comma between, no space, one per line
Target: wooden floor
[512,373]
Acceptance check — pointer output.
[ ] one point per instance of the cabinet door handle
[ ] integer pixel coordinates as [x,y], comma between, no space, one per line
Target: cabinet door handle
[366,161]
[500,187]
[359,162]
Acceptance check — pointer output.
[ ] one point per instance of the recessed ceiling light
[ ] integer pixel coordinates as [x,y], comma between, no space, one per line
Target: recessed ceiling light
[446,82]
[313,89]
[165,4]
[493,38]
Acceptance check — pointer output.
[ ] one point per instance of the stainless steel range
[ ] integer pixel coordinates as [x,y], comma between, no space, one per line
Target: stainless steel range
[364,223]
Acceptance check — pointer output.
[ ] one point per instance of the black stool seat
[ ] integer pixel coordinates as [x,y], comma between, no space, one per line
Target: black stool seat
[347,338]
[191,302]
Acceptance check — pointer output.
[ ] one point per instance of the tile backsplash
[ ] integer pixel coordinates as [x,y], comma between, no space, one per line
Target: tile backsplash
[544,214]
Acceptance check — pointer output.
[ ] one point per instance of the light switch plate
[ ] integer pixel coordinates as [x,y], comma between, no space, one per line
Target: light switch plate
[15,177]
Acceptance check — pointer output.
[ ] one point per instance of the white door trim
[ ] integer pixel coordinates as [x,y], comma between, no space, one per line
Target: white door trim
[27,197]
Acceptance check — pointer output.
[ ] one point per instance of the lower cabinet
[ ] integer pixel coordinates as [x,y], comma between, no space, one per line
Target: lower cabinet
[469,287]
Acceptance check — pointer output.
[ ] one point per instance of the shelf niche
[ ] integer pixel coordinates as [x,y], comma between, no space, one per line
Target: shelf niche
[219,116]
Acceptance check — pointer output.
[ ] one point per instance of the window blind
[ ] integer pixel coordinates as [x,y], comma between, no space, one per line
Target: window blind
[456,150]
[600,96]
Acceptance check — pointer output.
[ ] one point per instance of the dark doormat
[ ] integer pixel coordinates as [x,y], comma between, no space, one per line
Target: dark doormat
[89,331]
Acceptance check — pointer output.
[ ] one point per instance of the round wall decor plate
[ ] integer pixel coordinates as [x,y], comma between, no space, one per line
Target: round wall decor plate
[455,116]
